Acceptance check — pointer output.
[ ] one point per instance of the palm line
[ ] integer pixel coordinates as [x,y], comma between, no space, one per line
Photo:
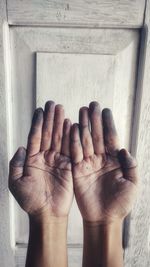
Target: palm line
[99,170]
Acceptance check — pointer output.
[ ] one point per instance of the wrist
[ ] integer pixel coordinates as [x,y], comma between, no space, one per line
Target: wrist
[48,235]
[52,226]
[109,232]
[45,217]
[103,224]
[49,230]
[103,243]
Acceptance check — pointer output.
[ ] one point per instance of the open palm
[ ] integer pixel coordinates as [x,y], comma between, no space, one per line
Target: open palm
[105,179]
[40,178]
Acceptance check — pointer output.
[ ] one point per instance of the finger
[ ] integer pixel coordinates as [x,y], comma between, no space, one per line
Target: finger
[65,148]
[96,128]
[75,146]
[110,134]
[47,125]
[129,166]
[16,165]
[57,128]
[35,134]
[86,139]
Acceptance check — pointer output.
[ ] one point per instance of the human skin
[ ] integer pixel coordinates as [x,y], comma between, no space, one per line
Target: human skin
[105,185]
[104,180]
[40,179]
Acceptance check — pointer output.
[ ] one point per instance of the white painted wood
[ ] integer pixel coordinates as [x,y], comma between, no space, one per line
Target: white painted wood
[124,94]
[79,41]
[6,252]
[72,67]
[25,42]
[74,80]
[138,252]
[99,13]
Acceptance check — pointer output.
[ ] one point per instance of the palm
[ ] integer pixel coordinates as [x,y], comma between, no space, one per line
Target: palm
[110,194]
[103,187]
[46,180]
[54,183]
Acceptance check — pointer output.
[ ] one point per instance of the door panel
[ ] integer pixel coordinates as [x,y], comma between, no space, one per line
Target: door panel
[71,67]
[74,79]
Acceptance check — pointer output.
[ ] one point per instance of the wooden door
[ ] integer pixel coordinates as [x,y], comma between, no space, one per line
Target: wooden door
[73,53]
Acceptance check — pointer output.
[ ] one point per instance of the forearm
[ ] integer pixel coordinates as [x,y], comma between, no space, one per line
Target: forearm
[103,245]
[47,242]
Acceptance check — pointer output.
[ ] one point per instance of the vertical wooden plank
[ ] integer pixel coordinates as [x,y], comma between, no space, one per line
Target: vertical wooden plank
[138,252]
[6,253]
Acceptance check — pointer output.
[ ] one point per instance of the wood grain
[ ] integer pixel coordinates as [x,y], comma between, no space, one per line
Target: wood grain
[138,252]
[79,41]
[81,13]
[6,253]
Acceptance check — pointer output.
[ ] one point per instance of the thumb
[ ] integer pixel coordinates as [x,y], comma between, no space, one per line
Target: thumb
[16,164]
[128,165]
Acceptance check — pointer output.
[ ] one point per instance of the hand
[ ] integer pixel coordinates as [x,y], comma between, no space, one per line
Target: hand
[105,178]
[40,177]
